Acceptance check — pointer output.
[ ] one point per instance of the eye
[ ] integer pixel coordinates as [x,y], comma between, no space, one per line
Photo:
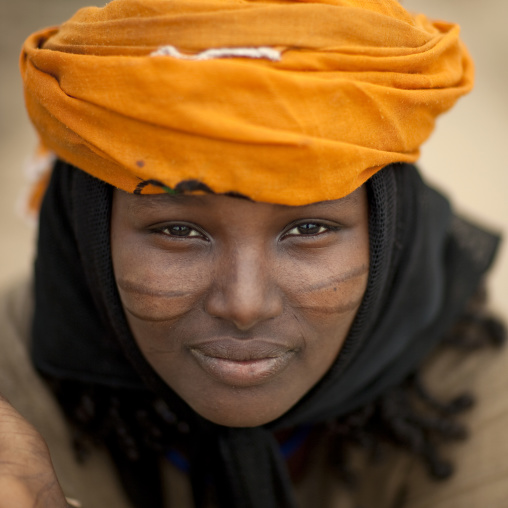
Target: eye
[309,228]
[180,230]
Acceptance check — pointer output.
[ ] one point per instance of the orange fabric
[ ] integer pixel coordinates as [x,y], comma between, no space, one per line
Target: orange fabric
[358,86]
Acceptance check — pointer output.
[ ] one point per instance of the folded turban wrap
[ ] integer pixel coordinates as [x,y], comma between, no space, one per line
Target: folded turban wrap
[283,102]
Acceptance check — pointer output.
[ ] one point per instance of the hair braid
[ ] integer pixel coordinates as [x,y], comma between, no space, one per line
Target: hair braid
[409,416]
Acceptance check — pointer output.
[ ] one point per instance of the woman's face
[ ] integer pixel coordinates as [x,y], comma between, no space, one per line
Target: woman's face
[240,307]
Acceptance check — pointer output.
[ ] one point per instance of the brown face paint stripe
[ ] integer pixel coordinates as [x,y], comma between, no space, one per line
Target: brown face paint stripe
[339,309]
[151,319]
[133,287]
[352,274]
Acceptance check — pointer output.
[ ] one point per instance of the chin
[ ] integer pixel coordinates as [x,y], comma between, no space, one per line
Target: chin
[244,409]
[240,420]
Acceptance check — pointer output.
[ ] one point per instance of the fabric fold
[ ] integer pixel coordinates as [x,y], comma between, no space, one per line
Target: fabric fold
[127,117]
[243,450]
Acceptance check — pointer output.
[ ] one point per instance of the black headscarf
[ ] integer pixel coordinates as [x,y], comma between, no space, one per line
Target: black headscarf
[425,263]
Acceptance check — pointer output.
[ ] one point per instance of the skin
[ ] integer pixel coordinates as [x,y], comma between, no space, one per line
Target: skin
[27,477]
[273,288]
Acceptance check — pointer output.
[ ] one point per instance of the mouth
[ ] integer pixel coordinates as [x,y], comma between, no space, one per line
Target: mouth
[242,363]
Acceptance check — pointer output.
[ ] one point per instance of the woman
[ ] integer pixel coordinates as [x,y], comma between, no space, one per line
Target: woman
[245,263]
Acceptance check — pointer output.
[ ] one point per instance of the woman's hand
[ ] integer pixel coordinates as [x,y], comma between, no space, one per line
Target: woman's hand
[27,477]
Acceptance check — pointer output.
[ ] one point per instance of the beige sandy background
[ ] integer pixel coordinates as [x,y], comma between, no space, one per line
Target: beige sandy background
[465,156]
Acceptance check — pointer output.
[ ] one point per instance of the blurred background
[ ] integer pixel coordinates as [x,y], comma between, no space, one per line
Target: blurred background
[465,157]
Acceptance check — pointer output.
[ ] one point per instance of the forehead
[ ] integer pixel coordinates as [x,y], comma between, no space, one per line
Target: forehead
[139,204]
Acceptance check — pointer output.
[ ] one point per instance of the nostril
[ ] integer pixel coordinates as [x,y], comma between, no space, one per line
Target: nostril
[244,307]
[244,316]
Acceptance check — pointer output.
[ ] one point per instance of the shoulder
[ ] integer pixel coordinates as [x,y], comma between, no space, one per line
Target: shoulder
[25,390]
[480,461]
[481,465]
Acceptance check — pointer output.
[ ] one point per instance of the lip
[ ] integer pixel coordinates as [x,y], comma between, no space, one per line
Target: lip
[242,362]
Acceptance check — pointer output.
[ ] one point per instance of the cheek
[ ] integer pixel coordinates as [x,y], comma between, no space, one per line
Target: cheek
[330,284]
[334,296]
[157,287]
[330,312]
[325,295]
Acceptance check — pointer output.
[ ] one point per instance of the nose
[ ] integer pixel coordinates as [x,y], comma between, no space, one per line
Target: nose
[244,291]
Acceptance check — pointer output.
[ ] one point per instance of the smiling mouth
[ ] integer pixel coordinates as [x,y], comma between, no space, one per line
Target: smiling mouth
[242,363]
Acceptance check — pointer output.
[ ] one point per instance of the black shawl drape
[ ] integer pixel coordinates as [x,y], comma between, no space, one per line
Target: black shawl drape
[425,263]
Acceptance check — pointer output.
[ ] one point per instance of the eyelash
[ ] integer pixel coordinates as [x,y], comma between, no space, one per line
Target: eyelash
[323,228]
[194,233]
[165,230]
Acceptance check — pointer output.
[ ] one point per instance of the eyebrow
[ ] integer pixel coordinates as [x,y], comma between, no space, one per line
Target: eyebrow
[331,203]
[154,201]
[326,204]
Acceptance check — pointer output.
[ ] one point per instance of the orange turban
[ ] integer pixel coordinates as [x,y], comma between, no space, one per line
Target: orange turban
[288,102]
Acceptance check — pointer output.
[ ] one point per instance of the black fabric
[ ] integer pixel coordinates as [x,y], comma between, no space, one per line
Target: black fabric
[425,263]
